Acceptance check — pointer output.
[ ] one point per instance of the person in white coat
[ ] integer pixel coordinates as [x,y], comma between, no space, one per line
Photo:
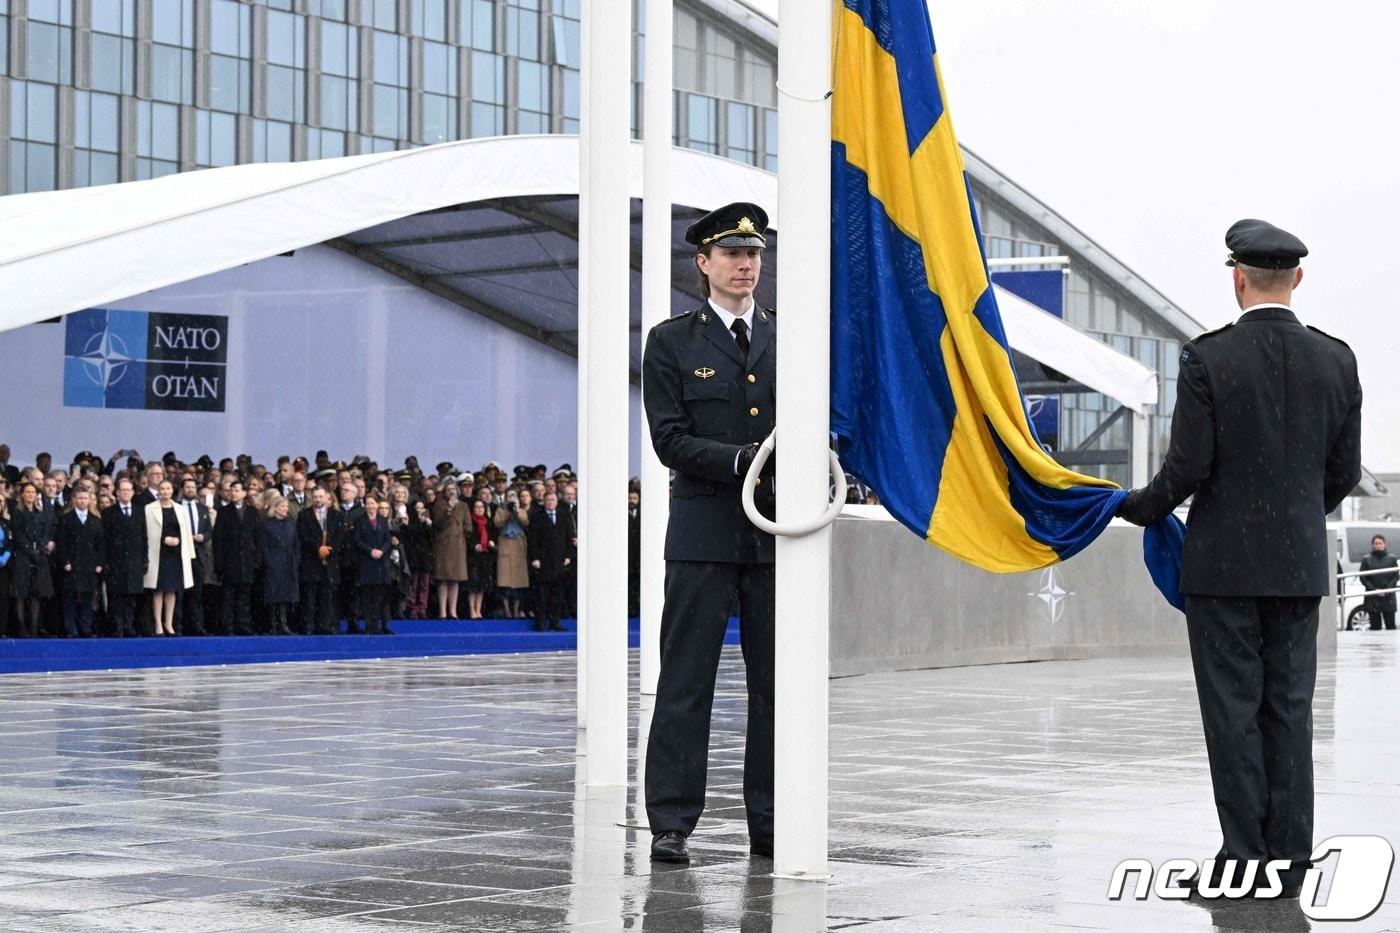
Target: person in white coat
[170,556]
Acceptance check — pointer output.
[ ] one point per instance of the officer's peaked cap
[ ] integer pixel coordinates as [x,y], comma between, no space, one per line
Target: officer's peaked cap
[1260,244]
[737,224]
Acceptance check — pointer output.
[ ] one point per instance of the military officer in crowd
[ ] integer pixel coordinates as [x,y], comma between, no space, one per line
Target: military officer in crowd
[708,385]
[1267,437]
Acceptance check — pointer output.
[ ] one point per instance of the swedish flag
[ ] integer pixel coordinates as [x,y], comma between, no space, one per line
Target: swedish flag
[925,403]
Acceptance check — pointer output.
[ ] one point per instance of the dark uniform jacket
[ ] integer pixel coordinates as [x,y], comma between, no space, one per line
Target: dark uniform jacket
[124,565]
[80,546]
[237,545]
[1267,435]
[703,404]
[313,569]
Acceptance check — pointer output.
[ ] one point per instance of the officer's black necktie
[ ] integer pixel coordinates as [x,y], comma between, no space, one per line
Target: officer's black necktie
[741,337]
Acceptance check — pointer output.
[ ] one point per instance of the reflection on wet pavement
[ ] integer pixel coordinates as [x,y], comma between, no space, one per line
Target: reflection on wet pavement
[445,794]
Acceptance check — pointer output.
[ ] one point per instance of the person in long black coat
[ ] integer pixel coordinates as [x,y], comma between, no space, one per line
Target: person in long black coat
[1380,608]
[280,564]
[124,533]
[33,573]
[550,542]
[7,562]
[236,555]
[320,531]
[80,554]
[1266,436]
[374,573]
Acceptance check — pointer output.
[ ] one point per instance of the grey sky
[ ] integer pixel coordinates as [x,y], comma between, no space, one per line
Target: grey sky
[1154,126]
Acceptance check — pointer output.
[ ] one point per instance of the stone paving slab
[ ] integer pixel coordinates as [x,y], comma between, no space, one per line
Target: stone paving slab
[443,794]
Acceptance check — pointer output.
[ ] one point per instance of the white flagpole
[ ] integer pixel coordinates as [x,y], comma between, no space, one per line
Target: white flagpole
[656,307]
[603,368]
[803,417]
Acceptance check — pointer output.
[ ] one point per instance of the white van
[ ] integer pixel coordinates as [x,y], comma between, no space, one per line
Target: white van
[1353,543]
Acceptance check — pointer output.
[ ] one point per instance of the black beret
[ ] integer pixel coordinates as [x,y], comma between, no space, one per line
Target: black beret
[1262,245]
[737,224]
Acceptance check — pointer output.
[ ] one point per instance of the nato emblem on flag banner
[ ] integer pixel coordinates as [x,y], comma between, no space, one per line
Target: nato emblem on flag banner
[145,360]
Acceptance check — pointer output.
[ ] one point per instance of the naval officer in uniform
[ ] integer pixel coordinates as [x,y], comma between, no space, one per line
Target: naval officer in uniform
[1267,437]
[708,385]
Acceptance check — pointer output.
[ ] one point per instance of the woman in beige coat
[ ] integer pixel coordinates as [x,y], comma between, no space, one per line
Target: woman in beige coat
[169,556]
[450,517]
[512,562]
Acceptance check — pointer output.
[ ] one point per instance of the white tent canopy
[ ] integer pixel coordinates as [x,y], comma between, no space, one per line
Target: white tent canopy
[1075,354]
[62,251]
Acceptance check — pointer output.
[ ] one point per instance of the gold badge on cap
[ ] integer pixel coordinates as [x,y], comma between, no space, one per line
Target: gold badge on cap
[746,226]
[704,372]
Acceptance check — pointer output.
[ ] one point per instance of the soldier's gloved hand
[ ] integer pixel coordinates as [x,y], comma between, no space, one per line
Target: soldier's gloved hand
[745,460]
[1131,508]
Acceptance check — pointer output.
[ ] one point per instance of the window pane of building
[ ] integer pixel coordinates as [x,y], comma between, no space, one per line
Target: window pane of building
[742,139]
[272,141]
[172,22]
[117,17]
[172,74]
[429,19]
[522,32]
[439,118]
[702,123]
[478,25]
[50,50]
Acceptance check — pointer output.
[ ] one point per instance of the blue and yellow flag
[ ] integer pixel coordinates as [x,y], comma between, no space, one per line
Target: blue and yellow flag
[924,399]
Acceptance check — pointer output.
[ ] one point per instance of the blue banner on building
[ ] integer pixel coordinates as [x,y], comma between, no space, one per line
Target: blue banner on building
[145,360]
[1043,288]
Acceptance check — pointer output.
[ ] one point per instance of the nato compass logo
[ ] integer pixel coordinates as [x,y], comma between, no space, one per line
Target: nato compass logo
[1052,595]
[145,360]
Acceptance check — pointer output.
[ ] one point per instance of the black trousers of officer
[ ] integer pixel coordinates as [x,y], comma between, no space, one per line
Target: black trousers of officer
[693,622]
[1255,660]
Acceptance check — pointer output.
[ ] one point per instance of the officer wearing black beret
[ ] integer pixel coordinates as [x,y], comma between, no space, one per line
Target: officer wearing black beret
[1267,436]
[708,381]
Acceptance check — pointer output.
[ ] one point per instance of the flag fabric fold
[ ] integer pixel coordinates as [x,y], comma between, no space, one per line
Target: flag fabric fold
[925,404]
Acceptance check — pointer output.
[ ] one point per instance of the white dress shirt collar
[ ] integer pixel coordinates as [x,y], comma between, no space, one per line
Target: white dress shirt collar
[1267,304]
[728,317]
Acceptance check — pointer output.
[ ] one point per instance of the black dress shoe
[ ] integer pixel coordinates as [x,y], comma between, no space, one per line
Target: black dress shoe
[761,846]
[669,847]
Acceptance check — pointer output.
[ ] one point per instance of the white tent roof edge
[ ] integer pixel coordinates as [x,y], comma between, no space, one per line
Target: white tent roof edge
[1074,353]
[130,238]
[62,251]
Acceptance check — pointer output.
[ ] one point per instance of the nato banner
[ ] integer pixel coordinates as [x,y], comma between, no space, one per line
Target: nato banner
[145,360]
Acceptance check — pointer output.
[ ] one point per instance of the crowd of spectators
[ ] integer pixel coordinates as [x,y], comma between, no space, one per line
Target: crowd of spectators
[124,547]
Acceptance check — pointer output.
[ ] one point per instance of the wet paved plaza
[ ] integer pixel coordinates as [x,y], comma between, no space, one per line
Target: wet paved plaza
[441,794]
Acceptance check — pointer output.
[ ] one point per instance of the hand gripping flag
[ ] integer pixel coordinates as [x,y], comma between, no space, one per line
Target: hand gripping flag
[924,399]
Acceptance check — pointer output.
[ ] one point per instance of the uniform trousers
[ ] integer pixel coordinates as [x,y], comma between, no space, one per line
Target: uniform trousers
[1255,660]
[693,621]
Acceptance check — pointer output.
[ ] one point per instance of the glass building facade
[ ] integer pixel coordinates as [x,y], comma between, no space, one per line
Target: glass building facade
[99,91]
